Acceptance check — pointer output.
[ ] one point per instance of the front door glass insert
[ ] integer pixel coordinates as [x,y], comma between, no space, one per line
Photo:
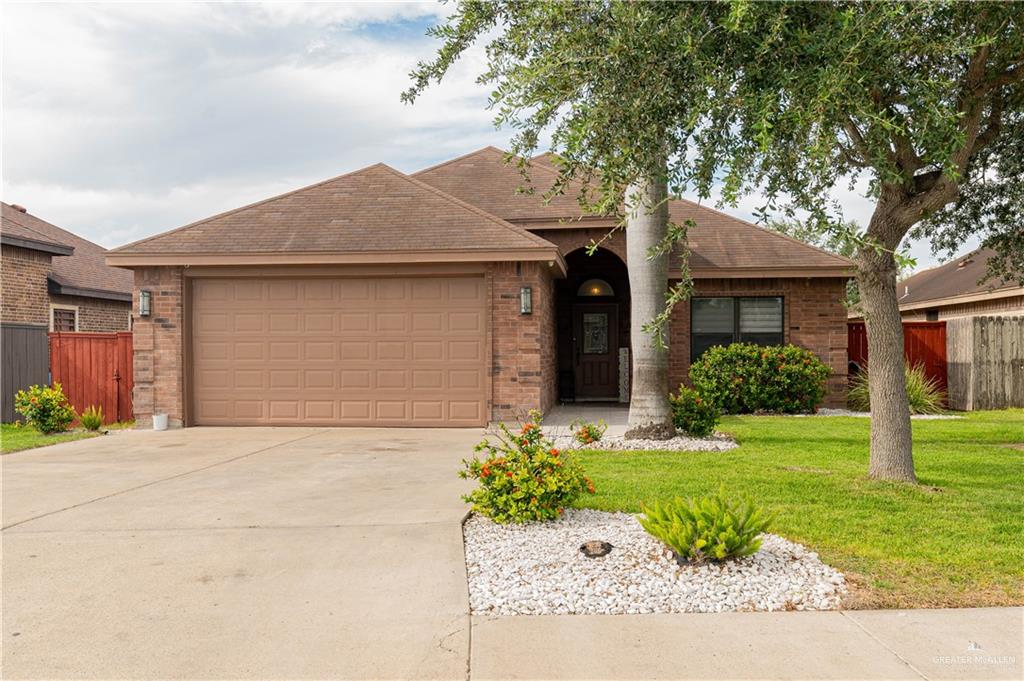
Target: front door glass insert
[595,333]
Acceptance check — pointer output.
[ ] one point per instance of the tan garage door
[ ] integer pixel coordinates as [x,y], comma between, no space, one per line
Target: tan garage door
[376,351]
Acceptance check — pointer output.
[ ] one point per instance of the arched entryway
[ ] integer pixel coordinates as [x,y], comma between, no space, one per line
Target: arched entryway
[593,326]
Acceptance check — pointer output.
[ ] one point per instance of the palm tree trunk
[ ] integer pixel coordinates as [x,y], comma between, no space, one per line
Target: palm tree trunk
[646,225]
[891,443]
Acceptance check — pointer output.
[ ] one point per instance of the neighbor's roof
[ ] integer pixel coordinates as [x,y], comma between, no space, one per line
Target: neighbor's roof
[83,271]
[956,279]
[14,231]
[367,216]
[718,241]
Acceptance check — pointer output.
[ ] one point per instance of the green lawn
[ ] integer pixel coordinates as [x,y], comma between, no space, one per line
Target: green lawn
[957,539]
[15,439]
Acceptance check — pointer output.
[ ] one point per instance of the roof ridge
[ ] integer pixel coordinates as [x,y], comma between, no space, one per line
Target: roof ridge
[519,231]
[764,229]
[63,232]
[489,147]
[241,208]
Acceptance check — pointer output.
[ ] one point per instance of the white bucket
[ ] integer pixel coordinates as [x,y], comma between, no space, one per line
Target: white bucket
[159,421]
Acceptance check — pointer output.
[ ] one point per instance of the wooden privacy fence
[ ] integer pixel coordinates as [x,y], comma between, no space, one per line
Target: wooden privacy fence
[24,363]
[986,362]
[924,344]
[95,369]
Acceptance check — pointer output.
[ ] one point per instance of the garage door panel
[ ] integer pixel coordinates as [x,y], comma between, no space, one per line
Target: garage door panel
[339,351]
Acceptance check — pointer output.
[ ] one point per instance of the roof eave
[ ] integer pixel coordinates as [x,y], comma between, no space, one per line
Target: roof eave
[1008,292]
[59,288]
[33,245]
[130,260]
[766,272]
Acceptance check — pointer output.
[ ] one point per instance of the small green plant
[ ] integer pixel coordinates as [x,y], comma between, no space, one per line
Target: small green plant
[692,414]
[523,477]
[91,418]
[587,433]
[924,396]
[744,378]
[707,528]
[46,409]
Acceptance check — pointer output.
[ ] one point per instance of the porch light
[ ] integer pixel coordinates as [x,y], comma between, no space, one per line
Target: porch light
[595,287]
[144,303]
[525,300]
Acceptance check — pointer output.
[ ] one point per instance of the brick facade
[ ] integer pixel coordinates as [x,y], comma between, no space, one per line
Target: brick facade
[24,297]
[159,348]
[97,314]
[523,360]
[524,357]
[814,318]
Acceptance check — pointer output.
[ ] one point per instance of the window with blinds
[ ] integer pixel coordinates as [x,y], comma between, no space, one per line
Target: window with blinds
[63,319]
[721,321]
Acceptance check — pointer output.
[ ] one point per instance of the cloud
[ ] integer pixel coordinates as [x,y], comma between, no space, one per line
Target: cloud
[124,120]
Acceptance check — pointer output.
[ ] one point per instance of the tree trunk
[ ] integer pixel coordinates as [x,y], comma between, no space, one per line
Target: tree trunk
[891,443]
[646,226]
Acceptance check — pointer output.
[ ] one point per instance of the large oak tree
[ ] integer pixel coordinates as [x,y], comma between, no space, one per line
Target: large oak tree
[787,100]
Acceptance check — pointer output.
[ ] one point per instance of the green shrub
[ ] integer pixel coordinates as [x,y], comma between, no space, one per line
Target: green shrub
[924,396]
[46,409]
[707,528]
[91,418]
[587,433]
[523,477]
[744,378]
[692,414]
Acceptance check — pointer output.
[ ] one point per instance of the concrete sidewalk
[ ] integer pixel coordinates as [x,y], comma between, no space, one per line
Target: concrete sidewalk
[983,643]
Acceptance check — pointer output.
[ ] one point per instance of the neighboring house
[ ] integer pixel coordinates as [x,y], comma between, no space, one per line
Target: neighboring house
[442,298]
[953,290]
[50,280]
[54,278]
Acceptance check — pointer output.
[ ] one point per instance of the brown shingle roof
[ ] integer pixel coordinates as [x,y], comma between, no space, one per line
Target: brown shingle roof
[483,179]
[85,271]
[718,241]
[376,209]
[721,241]
[958,277]
[14,231]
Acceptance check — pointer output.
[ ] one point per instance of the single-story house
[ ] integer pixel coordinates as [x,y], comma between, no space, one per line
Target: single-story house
[955,289]
[59,280]
[50,280]
[441,298]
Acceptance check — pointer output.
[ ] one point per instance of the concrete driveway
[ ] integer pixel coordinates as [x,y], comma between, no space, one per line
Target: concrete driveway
[237,553]
[317,553]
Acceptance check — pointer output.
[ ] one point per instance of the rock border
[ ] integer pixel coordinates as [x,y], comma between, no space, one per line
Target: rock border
[538,569]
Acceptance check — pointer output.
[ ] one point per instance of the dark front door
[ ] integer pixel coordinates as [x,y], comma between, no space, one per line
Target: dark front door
[595,350]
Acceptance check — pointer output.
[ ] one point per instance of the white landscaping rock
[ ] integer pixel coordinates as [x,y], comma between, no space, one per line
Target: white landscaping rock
[538,569]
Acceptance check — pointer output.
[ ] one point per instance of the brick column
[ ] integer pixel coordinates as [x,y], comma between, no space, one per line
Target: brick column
[159,350]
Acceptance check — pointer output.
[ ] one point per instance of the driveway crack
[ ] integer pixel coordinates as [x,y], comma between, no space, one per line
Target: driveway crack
[157,482]
[882,643]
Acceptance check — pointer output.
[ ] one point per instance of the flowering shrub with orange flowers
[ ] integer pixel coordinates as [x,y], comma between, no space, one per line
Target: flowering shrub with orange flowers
[587,433]
[744,378]
[522,476]
[45,408]
[692,414]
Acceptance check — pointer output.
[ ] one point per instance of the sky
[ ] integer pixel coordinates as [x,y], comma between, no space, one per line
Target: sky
[124,120]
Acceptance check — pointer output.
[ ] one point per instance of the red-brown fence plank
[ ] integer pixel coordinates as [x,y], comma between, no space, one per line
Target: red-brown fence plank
[924,344]
[94,369]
